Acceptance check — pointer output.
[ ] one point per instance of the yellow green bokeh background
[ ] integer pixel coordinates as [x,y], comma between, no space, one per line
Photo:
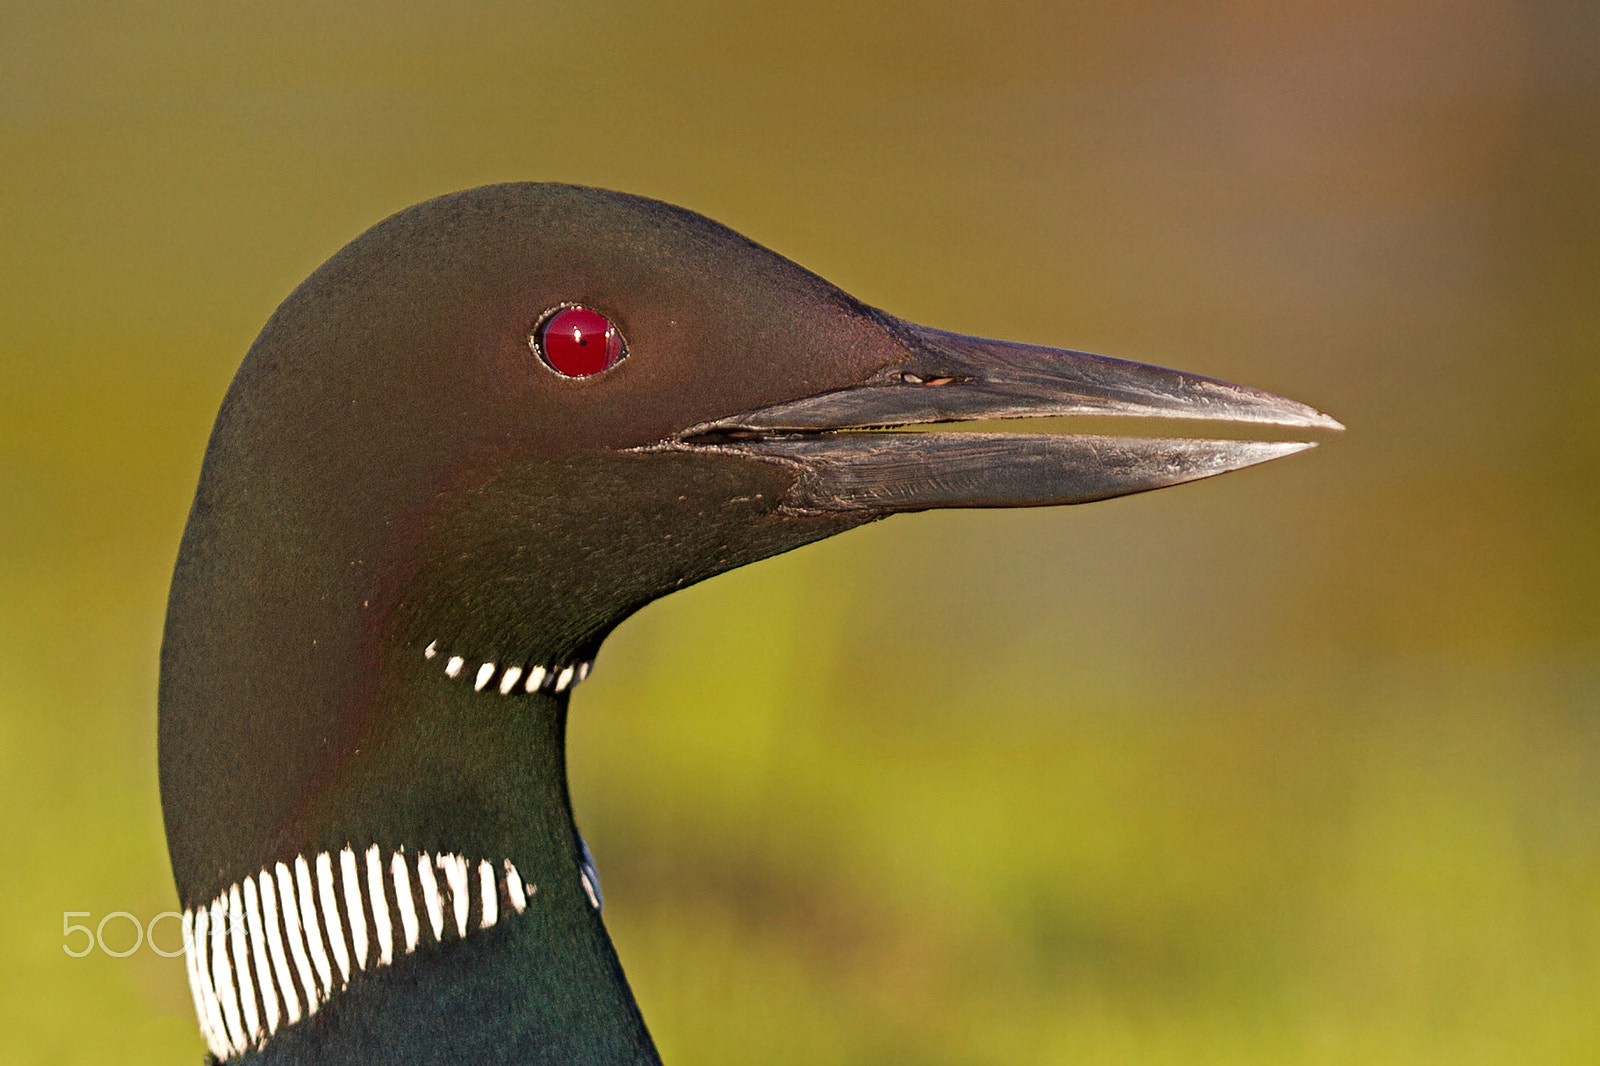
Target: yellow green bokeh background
[1301,765]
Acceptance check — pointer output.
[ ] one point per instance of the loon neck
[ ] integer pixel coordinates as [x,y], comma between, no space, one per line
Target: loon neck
[447,912]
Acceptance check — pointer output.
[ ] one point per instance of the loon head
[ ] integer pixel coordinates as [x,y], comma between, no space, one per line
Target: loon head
[459,454]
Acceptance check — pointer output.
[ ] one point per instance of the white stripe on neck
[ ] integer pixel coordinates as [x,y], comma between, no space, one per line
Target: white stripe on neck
[353,907]
[533,678]
[240,973]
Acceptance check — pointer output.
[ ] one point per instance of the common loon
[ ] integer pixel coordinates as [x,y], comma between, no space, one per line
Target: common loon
[456,457]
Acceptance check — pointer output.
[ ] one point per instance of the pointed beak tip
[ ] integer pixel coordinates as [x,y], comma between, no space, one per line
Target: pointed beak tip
[1321,420]
[1267,409]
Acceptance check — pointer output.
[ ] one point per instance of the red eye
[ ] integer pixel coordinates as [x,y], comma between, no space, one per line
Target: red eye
[577,342]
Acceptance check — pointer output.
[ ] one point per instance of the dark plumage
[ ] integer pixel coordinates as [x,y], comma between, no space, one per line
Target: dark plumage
[412,532]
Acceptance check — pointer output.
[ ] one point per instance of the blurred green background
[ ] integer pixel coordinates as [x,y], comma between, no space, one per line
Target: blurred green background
[1301,765]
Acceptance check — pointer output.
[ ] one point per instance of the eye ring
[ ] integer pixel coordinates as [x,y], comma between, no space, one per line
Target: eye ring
[574,341]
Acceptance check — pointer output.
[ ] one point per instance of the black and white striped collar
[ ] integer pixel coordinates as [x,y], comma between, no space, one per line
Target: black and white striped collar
[274,947]
[509,679]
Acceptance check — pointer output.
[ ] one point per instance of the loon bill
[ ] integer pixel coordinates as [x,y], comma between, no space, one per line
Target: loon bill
[456,457]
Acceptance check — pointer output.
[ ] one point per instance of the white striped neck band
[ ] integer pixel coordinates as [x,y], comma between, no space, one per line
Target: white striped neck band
[276,946]
[507,679]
